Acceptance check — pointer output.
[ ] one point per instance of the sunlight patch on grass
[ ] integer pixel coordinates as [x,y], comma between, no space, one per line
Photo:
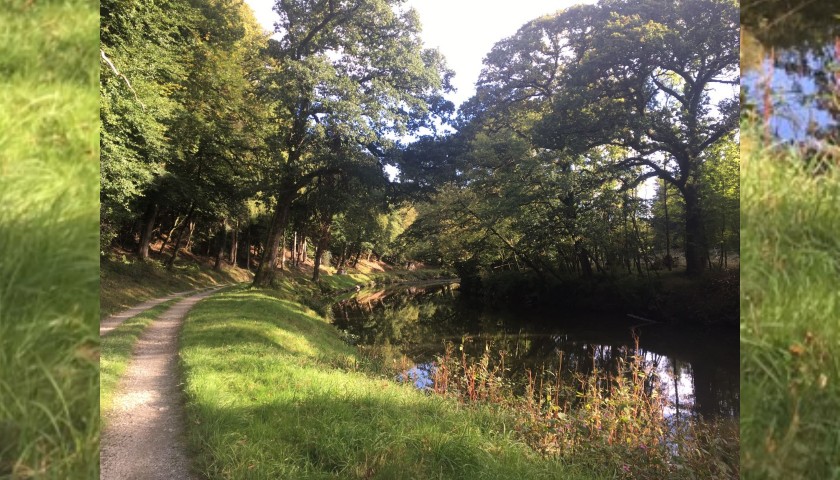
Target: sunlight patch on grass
[273,393]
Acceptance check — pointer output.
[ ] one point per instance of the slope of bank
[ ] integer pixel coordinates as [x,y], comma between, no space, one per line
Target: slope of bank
[273,392]
[125,281]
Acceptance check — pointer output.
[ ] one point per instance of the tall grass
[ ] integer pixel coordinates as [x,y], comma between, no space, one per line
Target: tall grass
[604,420]
[49,410]
[790,370]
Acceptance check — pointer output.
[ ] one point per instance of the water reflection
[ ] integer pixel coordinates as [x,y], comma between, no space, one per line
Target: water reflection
[795,86]
[697,370]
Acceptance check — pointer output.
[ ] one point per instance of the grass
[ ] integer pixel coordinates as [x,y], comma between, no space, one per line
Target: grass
[274,393]
[127,282]
[117,349]
[790,370]
[49,150]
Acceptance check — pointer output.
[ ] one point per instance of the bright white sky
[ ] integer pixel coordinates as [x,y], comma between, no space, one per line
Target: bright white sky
[463,30]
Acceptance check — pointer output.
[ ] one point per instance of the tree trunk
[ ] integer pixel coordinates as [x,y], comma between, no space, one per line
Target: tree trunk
[187,221]
[302,249]
[583,259]
[343,257]
[282,251]
[192,225]
[669,260]
[248,249]
[220,247]
[319,249]
[294,250]
[265,272]
[146,234]
[234,244]
[695,240]
[358,254]
[171,232]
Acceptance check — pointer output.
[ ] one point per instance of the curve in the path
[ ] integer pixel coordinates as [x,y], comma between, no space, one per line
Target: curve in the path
[143,438]
[115,320]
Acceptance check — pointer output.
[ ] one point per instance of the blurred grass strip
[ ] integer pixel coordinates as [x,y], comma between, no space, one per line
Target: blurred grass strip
[49,152]
[790,315]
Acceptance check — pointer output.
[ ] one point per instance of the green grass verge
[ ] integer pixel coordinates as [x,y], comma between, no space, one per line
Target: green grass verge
[274,393]
[790,370]
[117,349]
[127,282]
[49,216]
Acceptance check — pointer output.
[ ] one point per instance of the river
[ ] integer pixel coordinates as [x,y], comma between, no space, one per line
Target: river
[791,76]
[696,368]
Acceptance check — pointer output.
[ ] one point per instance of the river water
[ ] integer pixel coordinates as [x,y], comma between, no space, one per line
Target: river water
[791,72]
[697,367]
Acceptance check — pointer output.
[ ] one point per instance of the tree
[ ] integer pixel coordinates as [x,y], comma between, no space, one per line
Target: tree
[631,74]
[183,128]
[143,54]
[351,72]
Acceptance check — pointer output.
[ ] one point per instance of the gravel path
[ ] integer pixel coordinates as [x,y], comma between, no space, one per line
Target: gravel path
[114,321]
[143,439]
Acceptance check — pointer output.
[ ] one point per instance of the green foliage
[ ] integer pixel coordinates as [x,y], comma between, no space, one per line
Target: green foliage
[142,59]
[49,412]
[182,124]
[616,92]
[571,115]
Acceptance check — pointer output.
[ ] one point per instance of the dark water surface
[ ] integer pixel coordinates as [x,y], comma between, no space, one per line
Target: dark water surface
[697,367]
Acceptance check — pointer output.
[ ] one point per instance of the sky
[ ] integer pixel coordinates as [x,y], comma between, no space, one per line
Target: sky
[463,30]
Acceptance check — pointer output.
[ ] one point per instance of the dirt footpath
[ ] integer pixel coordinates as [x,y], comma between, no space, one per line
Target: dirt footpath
[143,438]
[115,320]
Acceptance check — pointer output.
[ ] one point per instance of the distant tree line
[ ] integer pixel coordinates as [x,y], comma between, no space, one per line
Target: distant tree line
[220,140]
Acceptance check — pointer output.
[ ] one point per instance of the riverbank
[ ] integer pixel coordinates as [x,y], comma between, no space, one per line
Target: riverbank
[273,391]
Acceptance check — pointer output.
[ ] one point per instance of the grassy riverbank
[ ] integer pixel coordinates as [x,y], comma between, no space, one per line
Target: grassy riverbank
[790,370]
[49,213]
[273,392]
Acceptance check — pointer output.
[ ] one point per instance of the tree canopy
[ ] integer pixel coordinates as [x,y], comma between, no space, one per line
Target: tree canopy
[602,139]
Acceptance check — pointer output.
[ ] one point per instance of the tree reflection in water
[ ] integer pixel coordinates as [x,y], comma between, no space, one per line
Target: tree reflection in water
[791,78]
[697,370]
